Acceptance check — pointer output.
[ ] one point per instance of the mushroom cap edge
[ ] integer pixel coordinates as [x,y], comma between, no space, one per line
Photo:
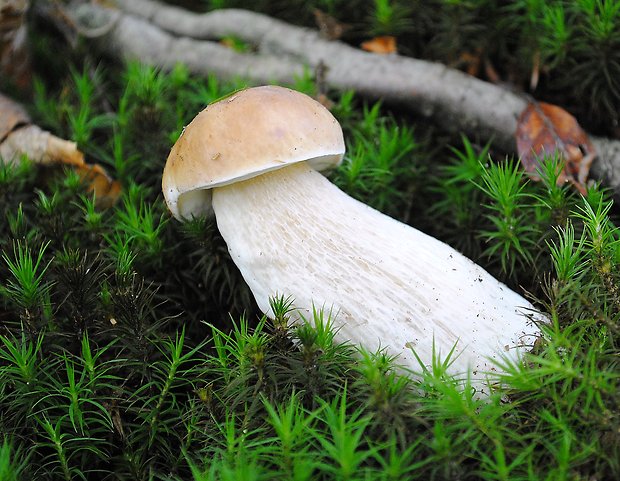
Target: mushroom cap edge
[241,136]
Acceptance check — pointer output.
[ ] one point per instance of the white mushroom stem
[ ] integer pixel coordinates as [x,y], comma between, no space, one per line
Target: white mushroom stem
[292,232]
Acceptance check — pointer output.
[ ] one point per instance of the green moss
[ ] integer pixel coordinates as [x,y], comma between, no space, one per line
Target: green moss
[130,347]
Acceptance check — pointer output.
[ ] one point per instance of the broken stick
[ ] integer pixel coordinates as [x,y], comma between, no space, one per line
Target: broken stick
[19,137]
[164,35]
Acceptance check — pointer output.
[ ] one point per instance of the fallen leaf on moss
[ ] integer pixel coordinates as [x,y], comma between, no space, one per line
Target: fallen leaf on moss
[107,190]
[382,45]
[545,129]
[19,137]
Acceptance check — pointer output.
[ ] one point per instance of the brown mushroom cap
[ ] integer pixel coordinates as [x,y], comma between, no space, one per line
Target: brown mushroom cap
[244,135]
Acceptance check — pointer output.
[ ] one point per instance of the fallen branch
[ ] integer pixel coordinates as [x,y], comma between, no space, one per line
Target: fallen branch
[165,35]
[19,137]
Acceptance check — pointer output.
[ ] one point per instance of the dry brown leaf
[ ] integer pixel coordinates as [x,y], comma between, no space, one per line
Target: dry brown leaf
[544,129]
[107,191]
[383,45]
[18,137]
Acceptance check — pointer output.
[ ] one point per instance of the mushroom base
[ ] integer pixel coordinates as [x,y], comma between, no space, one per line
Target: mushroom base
[291,232]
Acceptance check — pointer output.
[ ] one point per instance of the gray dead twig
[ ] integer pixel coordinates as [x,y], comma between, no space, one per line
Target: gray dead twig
[165,35]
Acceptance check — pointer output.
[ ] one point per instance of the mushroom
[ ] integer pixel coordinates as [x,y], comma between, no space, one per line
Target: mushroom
[252,160]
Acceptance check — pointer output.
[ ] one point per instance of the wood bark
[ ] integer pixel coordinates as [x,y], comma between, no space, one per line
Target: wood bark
[20,137]
[164,35]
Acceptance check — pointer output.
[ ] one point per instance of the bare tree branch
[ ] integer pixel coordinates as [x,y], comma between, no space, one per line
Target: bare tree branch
[165,35]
